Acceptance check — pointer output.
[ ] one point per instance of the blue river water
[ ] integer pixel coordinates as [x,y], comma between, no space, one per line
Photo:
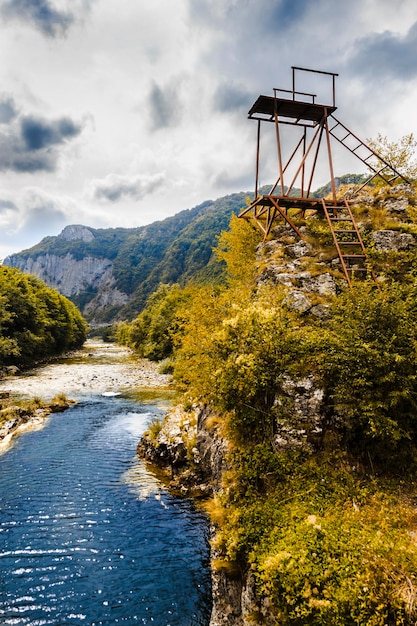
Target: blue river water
[88,535]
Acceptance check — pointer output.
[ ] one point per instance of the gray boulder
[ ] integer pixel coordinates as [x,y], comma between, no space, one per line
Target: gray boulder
[298,301]
[392,240]
[323,284]
[395,205]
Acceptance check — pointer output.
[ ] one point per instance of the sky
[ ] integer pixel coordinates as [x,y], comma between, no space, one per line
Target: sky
[118,113]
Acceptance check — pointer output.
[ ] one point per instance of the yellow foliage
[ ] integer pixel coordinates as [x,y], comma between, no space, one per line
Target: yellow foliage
[399,154]
[237,248]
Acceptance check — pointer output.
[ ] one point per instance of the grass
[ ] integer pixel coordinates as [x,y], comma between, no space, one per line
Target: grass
[327,546]
[11,408]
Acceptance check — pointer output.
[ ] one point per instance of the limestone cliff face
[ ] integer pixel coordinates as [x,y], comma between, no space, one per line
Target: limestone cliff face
[72,276]
[68,275]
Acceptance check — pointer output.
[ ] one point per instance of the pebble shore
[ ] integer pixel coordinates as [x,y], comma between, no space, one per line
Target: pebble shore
[98,368]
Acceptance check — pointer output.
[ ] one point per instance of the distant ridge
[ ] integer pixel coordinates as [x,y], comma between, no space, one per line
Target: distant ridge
[110,272]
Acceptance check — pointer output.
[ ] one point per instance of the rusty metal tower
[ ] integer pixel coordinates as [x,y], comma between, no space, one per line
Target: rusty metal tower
[314,130]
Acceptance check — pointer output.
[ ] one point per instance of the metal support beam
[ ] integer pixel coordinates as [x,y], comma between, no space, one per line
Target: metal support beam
[300,110]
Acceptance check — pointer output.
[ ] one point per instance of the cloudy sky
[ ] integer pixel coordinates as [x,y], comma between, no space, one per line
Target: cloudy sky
[123,112]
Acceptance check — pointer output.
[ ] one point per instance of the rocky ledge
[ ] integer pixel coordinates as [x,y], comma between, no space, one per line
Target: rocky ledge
[16,419]
[189,448]
[190,454]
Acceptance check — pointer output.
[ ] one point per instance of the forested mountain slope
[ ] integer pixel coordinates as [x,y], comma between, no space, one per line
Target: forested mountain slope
[109,273]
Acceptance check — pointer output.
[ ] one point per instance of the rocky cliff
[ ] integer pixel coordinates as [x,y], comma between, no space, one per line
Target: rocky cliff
[67,274]
[191,446]
[75,276]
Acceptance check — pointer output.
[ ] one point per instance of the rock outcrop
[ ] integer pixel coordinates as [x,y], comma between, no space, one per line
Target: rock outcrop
[71,276]
[392,240]
[76,232]
[65,273]
[284,261]
[190,447]
[310,275]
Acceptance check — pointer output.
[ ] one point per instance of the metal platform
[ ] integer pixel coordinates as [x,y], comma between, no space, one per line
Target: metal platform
[267,208]
[266,108]
[288,202]
[313,128]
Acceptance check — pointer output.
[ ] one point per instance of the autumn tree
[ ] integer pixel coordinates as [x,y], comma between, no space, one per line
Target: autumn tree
[150,333]
[399,154]
[237,249]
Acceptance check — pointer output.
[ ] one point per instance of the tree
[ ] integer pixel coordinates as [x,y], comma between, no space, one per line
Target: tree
[237,248]
[150,333]
[35,320]
[399,154]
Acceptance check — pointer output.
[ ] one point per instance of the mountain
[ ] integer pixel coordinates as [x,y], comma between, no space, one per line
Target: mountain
[109,273]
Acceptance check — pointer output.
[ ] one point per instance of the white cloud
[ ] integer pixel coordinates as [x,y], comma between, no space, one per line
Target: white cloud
[115,187]
[165,88]
[24,218]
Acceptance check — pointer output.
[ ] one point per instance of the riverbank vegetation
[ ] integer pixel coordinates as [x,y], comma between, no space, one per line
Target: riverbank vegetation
[321,508]
[36,322]
[323,513]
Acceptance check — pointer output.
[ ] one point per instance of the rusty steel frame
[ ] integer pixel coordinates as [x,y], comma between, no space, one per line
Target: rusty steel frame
[305,69]
[335,214]
[306,115]
[360,145]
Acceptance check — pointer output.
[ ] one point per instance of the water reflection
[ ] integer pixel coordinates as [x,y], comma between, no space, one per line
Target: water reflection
[87,535]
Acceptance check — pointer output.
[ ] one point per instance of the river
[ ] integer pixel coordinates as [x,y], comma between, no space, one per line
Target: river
[87,534]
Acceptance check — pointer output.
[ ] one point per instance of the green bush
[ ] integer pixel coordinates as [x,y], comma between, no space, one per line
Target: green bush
[150,334]
[366,360]
[35,320]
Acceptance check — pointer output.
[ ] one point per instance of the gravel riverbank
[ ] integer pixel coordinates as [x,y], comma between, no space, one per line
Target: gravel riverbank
[98,368]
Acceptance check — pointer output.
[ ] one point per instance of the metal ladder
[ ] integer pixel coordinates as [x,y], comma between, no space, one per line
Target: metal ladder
[363,152]
[347,241]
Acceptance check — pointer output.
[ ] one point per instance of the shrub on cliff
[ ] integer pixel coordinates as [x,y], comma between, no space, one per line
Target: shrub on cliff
[324,521]
[365,359]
